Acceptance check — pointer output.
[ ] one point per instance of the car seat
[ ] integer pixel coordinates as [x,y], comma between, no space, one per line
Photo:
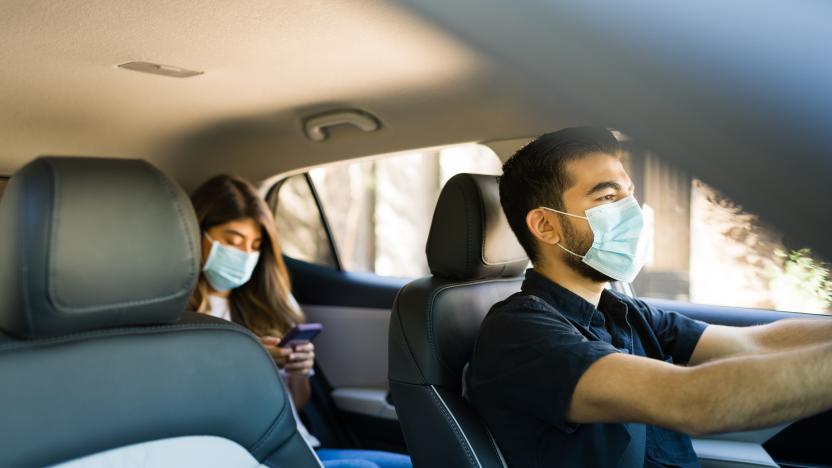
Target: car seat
[98,259]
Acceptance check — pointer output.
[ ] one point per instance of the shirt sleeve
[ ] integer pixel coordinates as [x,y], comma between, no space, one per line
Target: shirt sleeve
[537,373]
[569,364]
[677,334]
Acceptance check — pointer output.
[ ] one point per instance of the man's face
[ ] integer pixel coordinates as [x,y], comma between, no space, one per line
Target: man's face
[597,179]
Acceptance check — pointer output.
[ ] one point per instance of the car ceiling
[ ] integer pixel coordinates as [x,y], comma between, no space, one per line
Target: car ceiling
[735,93]
[267,65]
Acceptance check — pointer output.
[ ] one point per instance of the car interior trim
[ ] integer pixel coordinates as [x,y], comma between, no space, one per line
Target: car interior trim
[469,449]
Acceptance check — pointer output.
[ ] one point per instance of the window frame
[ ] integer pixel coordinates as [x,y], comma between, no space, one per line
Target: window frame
[435,152]
[274,195]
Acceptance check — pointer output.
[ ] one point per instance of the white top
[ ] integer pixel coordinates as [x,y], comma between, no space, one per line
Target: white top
[219,307]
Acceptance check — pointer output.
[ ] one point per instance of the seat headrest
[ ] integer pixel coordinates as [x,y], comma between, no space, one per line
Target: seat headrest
[89,243]
[469,236]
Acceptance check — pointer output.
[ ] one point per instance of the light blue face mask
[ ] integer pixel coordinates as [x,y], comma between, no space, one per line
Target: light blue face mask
[620,241]
[227,267]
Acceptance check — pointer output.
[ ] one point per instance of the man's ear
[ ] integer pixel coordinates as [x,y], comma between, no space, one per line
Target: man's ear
[543,226]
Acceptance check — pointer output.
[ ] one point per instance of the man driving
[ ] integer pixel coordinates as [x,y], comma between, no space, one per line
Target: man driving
[569,373]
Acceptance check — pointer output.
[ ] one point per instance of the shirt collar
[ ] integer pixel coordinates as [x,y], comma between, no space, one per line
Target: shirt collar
[571,305]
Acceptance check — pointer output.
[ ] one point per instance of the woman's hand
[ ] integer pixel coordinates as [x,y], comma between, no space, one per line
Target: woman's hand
[301,359]
[280,355]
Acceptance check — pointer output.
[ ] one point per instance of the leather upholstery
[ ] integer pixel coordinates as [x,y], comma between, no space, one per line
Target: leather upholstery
[91,243]
[469,236]
[435,324]
[476,260]
[96,376]
[84,393]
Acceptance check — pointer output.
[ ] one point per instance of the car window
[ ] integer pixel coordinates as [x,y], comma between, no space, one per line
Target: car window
[300,227]
[708,249]
[379,209]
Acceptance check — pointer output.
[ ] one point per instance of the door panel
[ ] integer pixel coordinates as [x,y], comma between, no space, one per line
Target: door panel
[719,315]
[367,401]
[354,309]
[352,350]
[320,285]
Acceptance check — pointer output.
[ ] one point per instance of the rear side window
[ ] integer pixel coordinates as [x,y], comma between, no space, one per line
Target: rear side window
[378,211]
[299,223]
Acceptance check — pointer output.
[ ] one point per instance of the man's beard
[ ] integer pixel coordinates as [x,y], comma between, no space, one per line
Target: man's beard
[580,245]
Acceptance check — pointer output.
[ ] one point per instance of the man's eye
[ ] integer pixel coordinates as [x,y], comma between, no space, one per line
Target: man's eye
[610,197]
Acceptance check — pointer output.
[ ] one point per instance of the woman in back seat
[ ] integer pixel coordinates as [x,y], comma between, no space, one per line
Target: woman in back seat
[244,280]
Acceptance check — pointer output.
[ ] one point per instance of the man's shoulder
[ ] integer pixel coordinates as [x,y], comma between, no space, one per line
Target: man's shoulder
[520,305]
[523,312]
[522,300]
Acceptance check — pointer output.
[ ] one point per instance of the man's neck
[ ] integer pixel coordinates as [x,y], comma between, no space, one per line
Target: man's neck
[568,278]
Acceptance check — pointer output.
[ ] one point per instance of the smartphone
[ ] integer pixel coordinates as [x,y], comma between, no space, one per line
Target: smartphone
[301,333]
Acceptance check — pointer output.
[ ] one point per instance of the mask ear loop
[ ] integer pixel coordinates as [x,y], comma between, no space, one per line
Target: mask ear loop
[562,212]
[567,214]
[573,253]
[211,252]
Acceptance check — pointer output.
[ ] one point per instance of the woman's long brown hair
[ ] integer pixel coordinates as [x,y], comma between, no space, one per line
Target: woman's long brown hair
[262,304]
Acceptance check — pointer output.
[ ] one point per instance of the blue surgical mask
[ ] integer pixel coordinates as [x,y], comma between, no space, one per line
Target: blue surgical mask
[620,241]
[227,267]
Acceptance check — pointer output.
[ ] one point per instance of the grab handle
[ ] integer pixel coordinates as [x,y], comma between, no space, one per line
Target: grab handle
[315,126]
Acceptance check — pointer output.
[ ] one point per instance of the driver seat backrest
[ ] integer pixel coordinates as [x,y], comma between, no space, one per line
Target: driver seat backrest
[101,367]
[476,262]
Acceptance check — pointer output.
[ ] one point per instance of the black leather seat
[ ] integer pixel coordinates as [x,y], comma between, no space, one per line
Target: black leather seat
[98,258]
[476,261]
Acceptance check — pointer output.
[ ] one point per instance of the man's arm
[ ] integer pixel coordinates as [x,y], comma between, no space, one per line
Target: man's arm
[719,341]
[737,393]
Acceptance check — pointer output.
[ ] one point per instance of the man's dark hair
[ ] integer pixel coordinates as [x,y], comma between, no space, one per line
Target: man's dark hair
[535,176]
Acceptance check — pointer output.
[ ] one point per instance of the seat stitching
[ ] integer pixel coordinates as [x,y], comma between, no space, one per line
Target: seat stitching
[273,426]
[468,231]
[496,447]
[460,437]
[396,309]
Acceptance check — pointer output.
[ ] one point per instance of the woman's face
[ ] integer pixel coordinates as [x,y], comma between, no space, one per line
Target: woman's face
[243,234]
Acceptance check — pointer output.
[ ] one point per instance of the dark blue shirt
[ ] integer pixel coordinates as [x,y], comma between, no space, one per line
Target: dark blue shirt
[534,347]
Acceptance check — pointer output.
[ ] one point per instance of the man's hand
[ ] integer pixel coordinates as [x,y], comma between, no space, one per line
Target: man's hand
[301,360]
[280,355]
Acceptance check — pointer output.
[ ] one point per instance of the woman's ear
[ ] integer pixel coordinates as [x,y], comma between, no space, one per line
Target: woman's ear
[206,247]
[542,226]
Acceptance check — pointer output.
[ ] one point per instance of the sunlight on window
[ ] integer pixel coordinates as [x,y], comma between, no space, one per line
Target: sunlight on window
[707,249]
[300,231]
[380,209]
[801,283]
